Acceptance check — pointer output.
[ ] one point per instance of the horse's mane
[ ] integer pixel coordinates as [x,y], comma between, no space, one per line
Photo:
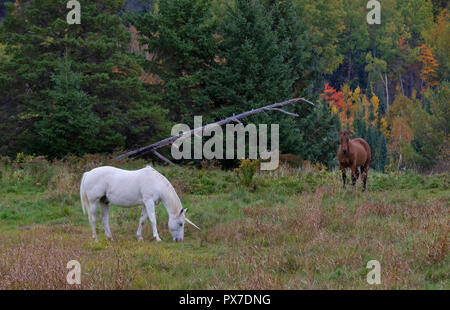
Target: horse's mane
[172,198]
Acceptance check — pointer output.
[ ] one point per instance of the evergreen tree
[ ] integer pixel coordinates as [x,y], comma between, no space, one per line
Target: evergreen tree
[180,37]
[360,127]
[290,28]
[255,67]
[253,70]
[319,135]
[38,36]
[372,140]
[262,53]
[383,159]
[68,125]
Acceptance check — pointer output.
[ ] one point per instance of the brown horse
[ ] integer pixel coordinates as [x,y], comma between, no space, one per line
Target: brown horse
[354,154]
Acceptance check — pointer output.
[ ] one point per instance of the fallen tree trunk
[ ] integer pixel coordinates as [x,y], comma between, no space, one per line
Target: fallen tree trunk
[235,118]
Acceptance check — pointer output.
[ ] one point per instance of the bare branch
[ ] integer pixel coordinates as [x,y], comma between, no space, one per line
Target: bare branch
[307,101]
[238,121]
[162,157]
[235,118]
[285,112]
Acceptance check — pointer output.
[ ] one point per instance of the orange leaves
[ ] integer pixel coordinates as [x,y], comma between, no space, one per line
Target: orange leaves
[350,104]
[339,105]
[402,44]
[332,96]
[429,66]
[117,70]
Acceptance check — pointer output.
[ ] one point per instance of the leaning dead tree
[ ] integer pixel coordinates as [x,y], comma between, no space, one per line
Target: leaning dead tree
[152,148]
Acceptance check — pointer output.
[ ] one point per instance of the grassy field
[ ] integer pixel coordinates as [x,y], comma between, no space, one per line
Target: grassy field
[289,229]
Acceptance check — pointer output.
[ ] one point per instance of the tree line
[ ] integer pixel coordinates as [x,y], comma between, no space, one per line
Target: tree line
[122,78]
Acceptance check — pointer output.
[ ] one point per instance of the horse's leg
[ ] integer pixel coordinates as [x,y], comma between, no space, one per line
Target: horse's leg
[364,173]
[344,176]
[355,175]
[104,213]
[93,217]
[150,207]
[141,223]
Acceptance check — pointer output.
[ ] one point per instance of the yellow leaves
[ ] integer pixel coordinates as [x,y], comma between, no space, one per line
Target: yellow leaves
[3,54]
[400,133]
[376,103]
[400,118]
[438,36]
[346,90]
[354,103]
[364,109]
[384,127]
[357,92]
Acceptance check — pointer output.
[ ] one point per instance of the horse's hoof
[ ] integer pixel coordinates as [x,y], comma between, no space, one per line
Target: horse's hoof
[140,239]
[158,239]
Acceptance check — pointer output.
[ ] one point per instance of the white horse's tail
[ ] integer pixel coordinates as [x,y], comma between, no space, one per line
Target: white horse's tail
[84,199]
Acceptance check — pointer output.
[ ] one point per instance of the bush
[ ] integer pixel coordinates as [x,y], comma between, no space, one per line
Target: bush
[246,171]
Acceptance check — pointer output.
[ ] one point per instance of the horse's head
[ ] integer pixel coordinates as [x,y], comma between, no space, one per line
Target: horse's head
[176,225]
[345,139]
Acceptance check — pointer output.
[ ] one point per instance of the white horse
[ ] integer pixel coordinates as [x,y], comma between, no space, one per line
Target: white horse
[125,188]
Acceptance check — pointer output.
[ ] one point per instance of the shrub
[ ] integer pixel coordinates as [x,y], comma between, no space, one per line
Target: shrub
[246,171]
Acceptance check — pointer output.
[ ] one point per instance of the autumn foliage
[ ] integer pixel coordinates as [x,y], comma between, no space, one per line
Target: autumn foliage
[338,104]
[429,66]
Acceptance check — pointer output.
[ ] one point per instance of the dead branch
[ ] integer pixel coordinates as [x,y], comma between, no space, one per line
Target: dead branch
[235,118]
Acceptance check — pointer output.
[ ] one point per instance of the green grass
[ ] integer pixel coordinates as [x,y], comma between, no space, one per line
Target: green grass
[291,229]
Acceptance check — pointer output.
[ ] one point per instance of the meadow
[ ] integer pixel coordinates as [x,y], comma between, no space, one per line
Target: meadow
[293,228]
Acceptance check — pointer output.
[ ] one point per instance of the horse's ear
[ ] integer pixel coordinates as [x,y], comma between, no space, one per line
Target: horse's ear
[183,211]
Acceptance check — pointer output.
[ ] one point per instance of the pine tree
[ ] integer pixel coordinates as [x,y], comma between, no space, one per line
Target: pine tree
[290,27]
[360,127]
[253,71]
[254,68]
[38,36]
[319,135]
[181,40]
[383,159]
[68,125]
